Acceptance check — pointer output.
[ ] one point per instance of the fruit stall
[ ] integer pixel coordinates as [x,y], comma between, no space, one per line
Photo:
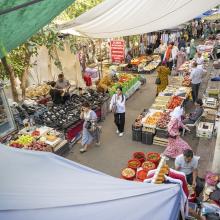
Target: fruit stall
[129,83]
[149,63]
[41,138]
[48,127]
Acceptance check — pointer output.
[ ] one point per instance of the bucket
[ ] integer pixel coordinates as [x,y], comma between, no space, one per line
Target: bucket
[139,156]
[134,164]
[153,157]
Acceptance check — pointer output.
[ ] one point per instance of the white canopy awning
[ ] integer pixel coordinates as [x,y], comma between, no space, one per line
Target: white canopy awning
[115,18]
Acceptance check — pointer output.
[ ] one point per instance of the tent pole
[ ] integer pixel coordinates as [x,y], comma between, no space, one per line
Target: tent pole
[100,75]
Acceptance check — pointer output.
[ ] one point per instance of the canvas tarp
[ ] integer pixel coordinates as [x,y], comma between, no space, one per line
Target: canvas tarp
[20,19]
[39,185]
[115,18]
[44,69]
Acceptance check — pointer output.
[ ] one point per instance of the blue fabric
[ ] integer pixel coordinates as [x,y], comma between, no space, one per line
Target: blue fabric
[217,78]
[38,185]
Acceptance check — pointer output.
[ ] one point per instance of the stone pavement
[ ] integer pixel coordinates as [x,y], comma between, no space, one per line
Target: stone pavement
[114,151]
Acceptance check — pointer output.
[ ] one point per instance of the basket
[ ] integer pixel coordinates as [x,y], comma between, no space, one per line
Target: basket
[135,165]
[141,175]
[141,158]
[128,178]
[156,158]
[148,165]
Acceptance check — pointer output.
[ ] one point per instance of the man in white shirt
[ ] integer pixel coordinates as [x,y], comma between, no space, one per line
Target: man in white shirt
[196,78]
[188,163]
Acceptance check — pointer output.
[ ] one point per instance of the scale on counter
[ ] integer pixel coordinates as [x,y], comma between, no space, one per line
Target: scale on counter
[210,102]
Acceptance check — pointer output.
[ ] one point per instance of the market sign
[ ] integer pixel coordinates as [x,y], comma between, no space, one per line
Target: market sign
[117,51]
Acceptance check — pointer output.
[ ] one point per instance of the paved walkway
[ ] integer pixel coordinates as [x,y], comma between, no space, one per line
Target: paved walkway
[115,151]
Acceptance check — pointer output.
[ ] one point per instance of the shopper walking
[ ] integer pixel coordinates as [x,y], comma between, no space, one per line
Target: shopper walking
[176,145]
[162,49]
[162,76]
[192,49]
[182,43]
[196,78]
[168,57]
[181,58]
[91,131]
[117,106]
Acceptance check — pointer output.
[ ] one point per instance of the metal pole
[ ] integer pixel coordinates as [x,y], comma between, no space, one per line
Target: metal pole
[100,46]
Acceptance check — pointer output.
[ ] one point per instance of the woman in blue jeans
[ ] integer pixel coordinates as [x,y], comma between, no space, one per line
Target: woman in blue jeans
[117,105]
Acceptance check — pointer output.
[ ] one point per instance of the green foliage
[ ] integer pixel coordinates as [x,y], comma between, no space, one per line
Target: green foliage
[78,8]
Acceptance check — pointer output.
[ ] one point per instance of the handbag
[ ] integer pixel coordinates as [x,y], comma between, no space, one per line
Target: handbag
[157,81]
[114,106]
[88,125]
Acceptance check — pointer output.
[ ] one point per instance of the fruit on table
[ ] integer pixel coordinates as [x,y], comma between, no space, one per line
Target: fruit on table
[164,120]
[186,81]
[35,133]
[128,173]
[25,140]
[152,120]
[16,144]
[175,101]
[38,146]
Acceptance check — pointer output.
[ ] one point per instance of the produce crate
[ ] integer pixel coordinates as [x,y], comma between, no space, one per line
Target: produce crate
[136,133]
[205,130]
[160,141]
[149,129]
[161,133]
[147,137]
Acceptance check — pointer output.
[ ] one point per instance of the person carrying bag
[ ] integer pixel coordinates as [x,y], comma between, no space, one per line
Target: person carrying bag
[117,106]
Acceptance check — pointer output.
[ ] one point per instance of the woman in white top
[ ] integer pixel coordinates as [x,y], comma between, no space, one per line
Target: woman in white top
[117,106]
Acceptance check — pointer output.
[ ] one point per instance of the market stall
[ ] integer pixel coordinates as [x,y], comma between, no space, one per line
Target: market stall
[45,126]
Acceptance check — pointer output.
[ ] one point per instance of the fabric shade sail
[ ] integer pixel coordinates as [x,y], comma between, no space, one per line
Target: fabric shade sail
[20,19]
[39,185]
[115,18]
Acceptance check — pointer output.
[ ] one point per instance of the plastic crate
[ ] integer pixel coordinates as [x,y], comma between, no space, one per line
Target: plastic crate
[205,130]
[147,137]
[136,133]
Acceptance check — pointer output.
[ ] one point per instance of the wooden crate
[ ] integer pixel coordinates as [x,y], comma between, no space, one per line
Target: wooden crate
[160,141]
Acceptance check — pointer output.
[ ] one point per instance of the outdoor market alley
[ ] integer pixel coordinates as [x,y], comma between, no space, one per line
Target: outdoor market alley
[112,156]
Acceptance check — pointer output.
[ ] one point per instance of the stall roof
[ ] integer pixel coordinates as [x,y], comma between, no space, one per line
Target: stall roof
[39,185]
[115,18]
[20,19]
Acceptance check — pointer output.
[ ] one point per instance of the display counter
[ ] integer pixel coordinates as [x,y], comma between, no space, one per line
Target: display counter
[7,123]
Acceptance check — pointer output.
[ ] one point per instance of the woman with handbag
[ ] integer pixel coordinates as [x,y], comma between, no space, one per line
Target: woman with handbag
[176,145]
[117,106]
[91,132]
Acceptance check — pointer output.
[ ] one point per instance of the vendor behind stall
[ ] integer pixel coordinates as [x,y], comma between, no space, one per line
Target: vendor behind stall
[55,94]
[63,85]
[194,115]
[188,163]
